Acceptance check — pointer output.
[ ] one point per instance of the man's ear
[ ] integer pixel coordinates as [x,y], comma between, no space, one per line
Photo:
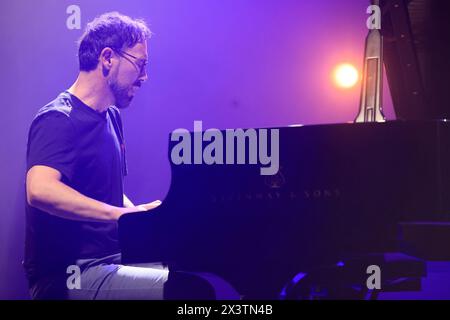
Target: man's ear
[106,58]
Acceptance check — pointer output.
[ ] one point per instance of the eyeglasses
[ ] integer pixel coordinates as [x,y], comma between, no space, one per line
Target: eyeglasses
[141,67]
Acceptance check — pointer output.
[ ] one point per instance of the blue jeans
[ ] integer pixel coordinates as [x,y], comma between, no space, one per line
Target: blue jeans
[108,279]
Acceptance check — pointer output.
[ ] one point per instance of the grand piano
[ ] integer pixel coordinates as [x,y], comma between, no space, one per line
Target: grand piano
[342,190]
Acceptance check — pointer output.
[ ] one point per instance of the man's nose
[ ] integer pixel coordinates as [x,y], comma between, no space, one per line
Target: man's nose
[144,76]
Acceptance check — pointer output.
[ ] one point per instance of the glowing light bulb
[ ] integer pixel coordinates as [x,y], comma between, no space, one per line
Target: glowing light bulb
[345,75]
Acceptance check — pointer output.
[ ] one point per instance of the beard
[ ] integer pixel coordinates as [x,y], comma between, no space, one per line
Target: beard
[122,94]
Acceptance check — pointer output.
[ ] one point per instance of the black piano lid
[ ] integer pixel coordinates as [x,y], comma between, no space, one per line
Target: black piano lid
[416,54]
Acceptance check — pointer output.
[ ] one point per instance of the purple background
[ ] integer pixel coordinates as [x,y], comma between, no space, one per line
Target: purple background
[228,63]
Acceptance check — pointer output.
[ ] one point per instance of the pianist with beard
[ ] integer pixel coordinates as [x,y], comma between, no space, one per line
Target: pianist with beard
[75,169]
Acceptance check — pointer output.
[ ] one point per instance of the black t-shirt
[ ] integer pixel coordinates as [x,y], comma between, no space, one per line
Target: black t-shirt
[87,148]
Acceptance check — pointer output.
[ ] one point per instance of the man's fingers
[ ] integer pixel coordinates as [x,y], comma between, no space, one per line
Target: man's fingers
[150,205]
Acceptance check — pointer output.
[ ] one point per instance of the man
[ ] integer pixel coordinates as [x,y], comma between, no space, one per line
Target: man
[75,168]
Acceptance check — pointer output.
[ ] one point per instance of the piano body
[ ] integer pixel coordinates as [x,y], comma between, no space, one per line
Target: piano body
[341,190]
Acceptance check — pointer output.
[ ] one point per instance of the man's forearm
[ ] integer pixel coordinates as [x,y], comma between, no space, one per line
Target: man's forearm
[58,199]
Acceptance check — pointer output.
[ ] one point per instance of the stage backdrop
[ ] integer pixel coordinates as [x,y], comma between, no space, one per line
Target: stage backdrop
[228,63]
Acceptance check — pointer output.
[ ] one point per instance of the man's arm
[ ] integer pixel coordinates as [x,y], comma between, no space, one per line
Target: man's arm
[46,192]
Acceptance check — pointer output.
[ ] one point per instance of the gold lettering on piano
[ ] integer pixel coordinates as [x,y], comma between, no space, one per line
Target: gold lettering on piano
[276,181]
[309,194]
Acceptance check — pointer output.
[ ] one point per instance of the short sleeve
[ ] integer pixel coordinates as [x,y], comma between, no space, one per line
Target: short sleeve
[51,142]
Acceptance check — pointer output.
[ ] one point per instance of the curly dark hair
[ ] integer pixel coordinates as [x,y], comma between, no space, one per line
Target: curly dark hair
[112,30]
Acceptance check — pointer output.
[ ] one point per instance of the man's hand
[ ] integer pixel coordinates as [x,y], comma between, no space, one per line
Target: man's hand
[142,207]
[118,212]
[149,206]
